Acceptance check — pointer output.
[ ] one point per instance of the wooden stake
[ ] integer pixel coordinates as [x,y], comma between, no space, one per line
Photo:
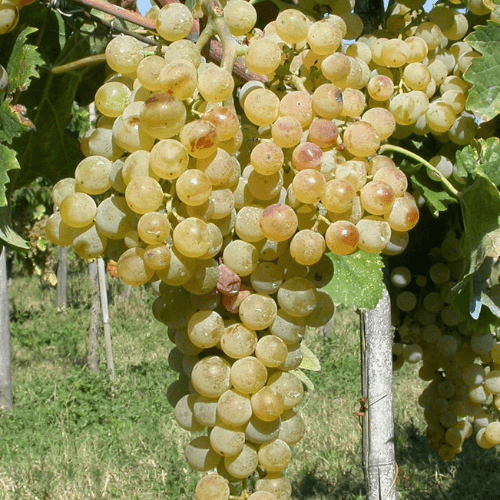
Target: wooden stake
[95,309]
[62,279]
[105,319]
[379,462]
[6,402]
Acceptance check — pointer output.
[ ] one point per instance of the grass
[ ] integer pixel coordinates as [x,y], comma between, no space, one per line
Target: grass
[73,437]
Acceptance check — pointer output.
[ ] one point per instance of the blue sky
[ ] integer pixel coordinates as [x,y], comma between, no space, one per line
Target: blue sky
[144,5]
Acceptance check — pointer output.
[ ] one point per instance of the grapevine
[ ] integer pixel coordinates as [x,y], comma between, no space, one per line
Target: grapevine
[231,163]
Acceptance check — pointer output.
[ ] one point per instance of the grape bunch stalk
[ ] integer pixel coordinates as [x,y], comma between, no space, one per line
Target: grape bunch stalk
[226,196]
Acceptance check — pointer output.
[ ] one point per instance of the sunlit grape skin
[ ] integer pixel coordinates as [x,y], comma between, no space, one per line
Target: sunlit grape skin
[377,197]
[342,238]
[200,138]
[274,182]
[163,115]
[307,155]
[278,222]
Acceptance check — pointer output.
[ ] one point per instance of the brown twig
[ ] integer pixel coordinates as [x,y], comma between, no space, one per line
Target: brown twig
[120,29]
[114,10]
[214,52]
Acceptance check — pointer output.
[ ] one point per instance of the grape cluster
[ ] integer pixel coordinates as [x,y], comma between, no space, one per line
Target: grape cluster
[462,367]
[226,196]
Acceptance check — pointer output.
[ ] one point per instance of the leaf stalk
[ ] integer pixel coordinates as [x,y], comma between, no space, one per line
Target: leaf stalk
[446,183]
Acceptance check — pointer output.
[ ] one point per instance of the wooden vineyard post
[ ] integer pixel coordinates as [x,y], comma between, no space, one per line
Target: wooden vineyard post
[5,355]
[62,279]
[105,319]
[379,463]
[93,351]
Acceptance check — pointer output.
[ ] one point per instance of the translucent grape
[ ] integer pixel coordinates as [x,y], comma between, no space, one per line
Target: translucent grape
[267,405]
[200,138]
[240,17]
[361,139]
[261,107]
[263,56]
[162,116]
[212,487]
[308,186]
[307,247]
[266,278]
[216,85]
[199,453]
[278,222]
[241,257]
[226,440]
[244,464]
[143,195]
[132,269]
[248,375]
[124,53]
[286,131]
[258,312]
[193,187]
[78,210]
[299,105]
[342,237]
[210,376]
[374,234]
[324,37]
[112,98]
[174,22]
[292,25]
[327,101]
[275,456]
[267,158]
[179,78]
[271,351]
[297,297]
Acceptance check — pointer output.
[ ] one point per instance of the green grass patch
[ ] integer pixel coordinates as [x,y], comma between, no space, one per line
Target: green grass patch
[73,436]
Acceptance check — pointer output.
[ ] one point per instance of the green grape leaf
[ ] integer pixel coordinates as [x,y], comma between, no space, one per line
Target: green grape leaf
[7,234]
[303,378]
[480,155]
[13,123]
[433,192]
[51,151]
[310,361]
[484,72]
[480,204]
[357,280]
[480,297]
[8,161]
[23,62]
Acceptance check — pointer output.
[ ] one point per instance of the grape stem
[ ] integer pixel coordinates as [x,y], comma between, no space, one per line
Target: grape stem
[446,183]
[320,218]
[298,83]
[231,49]
[80,63]
[205,36]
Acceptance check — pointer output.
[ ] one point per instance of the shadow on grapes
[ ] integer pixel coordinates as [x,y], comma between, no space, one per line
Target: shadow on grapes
[472,475]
